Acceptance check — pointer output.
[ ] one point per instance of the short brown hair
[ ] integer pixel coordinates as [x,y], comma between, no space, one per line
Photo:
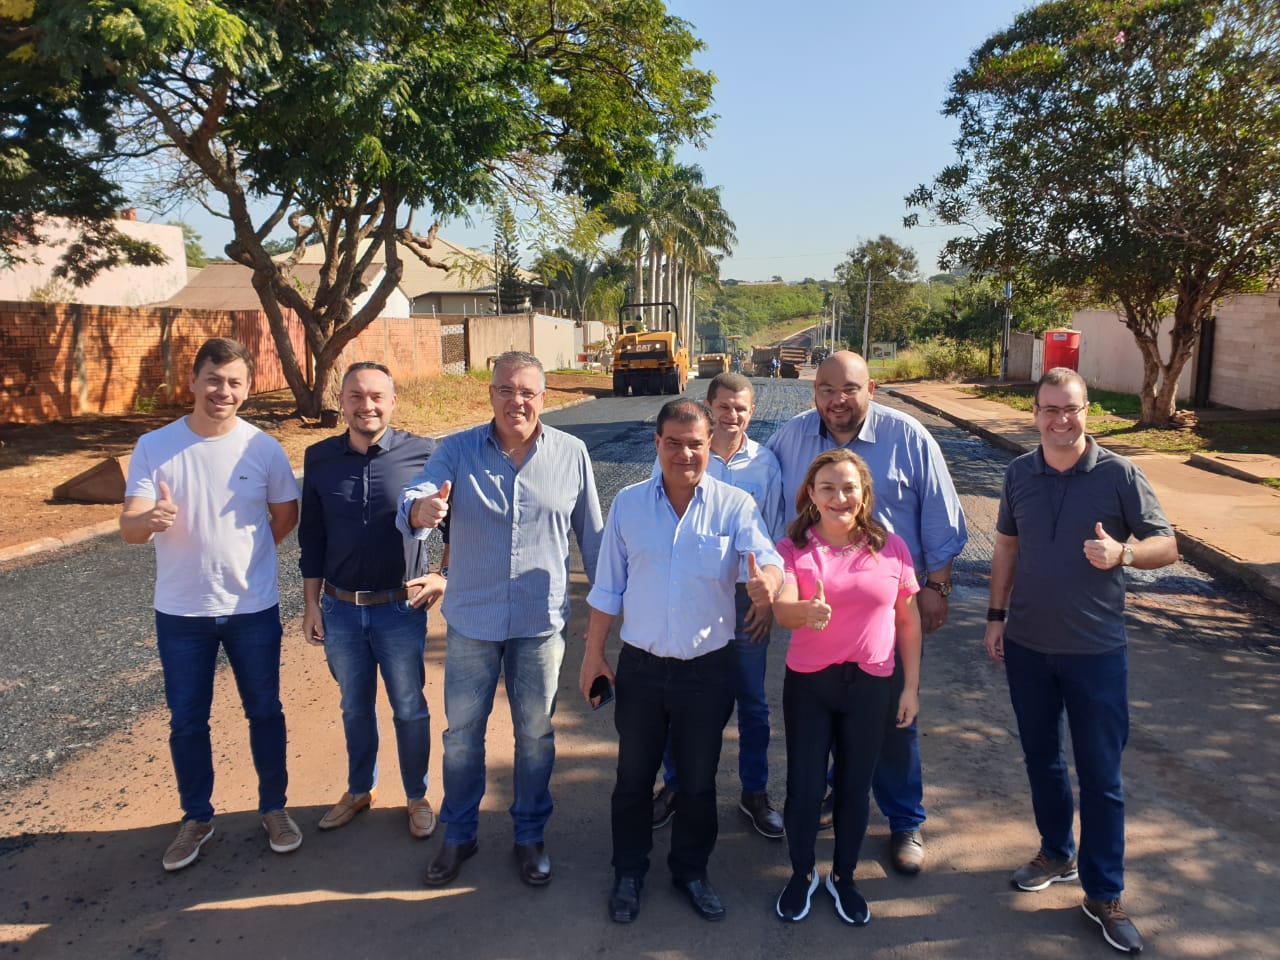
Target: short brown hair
[729,382]
[1060,377]
[220,351]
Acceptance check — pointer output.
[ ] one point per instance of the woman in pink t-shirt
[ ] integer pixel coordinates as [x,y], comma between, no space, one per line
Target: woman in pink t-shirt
[859,613]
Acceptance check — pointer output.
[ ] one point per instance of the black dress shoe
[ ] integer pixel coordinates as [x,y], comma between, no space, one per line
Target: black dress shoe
[535,865]
[624,899]
[706,902]
[448,861]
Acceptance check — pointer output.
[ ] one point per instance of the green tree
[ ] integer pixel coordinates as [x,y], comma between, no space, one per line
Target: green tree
[1129,150]
[196,257]
[344,116]
[891,269]
[512,288]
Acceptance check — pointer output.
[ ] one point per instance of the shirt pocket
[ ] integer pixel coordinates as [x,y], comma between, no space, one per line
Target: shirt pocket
[714,558]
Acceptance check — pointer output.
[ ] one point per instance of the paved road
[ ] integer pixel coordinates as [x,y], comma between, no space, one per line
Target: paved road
[78,870]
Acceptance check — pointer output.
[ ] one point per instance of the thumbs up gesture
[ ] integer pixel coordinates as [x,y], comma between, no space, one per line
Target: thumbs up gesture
[1105,552]
[758,587]
[819,613]
[164,512]
[430,511]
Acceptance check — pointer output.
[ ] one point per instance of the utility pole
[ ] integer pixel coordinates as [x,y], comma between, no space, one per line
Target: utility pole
[866,319]
[1008,323]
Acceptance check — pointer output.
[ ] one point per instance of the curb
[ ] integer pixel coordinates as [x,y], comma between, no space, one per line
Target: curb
[1199,550]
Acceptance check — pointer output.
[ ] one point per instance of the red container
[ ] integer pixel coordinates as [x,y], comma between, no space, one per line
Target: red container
[1062,349]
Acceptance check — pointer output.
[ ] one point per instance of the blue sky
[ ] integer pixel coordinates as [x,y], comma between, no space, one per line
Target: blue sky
[829,114]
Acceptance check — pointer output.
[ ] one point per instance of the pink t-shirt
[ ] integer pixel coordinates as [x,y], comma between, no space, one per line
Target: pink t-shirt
[861,588]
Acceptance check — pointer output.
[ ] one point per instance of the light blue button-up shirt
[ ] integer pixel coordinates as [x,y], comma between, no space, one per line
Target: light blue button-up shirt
[753,469]
[673,577]
[915,497]
[509,530]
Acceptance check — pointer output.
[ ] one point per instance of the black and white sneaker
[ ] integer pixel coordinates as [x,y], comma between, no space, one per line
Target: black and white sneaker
[850,905]
[793,902]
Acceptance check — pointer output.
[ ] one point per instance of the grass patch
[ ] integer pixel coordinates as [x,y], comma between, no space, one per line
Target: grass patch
[1114,416]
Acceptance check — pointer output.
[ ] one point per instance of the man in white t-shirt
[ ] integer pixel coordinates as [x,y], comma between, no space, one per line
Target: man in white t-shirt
[215,495]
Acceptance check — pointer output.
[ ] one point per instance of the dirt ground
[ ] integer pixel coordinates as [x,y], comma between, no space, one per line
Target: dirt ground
[36,458]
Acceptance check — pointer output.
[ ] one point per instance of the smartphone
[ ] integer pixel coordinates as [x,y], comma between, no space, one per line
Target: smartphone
[601,692]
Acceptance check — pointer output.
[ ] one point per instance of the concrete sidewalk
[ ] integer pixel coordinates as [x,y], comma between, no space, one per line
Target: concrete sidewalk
[1228,524]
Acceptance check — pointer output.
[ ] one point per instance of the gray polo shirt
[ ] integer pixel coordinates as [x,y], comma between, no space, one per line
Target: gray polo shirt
[1060,602]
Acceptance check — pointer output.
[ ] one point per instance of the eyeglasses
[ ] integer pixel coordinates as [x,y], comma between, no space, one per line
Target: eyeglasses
[829,393]
[511,393]
[1053,413]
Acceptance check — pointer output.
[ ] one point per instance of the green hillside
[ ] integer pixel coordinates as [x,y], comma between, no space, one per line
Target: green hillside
[748,309]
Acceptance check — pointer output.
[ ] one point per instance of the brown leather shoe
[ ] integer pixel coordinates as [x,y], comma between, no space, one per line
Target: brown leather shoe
[448,861]
[422,819]
[342,812]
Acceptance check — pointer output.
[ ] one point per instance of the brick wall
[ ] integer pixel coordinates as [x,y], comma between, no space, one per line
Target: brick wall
[408,346]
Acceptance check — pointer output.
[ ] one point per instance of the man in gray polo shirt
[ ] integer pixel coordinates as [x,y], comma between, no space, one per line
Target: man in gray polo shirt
[1067,515]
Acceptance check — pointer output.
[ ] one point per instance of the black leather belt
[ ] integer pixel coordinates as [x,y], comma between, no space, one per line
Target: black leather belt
[366,598]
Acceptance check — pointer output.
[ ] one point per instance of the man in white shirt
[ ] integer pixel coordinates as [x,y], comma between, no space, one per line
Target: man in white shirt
[215,494]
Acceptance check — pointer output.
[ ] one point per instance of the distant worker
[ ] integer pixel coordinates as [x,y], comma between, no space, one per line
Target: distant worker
[1056,621]
[358,605]
[775,366]
[215,495]
[914,498]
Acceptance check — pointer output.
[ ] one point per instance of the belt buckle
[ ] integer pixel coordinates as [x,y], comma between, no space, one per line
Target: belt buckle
[366,598]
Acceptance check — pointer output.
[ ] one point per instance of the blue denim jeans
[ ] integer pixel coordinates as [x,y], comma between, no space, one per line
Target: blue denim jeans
[358,642]
[898,784]
[531,668]
[189,656]
[1088,692]
[750,660]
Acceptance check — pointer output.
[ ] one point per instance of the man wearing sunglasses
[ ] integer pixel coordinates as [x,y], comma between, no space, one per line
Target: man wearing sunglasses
[1072,516]
[512,488]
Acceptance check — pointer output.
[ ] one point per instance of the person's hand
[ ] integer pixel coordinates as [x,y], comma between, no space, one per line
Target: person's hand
[933,609]
[818,614]
[908,708]
[431,511]
[429,588]
[758,588]
[1104,552]
[160,517]
[593,665]
[757,623]
[994,641]
[313,625]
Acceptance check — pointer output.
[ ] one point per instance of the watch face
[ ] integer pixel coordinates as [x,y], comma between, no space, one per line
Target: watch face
[943,588]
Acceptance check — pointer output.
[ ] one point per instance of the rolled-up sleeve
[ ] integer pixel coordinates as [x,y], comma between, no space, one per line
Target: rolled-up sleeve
[943,532]
[610,581]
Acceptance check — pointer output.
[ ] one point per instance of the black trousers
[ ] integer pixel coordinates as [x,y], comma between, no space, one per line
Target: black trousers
[691,701]
[842,711]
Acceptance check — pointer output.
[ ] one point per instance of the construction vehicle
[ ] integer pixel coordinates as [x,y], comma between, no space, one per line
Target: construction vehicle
[762,361]
[714,359]
[649,361]
[793,357]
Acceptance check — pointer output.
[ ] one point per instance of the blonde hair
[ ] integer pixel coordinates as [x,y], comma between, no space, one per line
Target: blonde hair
[863,521]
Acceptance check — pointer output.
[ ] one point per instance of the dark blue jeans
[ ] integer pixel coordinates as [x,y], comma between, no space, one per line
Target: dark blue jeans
[1089,692]
[358,643]
[189,655]
[750,660]
[898,784]
[688,701]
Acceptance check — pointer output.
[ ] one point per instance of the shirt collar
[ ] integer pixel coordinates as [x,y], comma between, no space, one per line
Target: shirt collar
[1088,460]
[383,443]
[866,433]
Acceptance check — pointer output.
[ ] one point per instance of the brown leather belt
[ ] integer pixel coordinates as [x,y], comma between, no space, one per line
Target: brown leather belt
[366,598]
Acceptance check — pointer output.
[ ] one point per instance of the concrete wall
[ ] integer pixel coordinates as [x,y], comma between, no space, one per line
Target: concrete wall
[122,287]
[1246,353]
[1022,351]
[550,339]
[1109,357]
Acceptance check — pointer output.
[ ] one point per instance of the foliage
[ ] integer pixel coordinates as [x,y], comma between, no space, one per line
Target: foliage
[891,269]
[1126,149]
[339,118]
[745,309]
[512,289]
[938,359]
[196,257]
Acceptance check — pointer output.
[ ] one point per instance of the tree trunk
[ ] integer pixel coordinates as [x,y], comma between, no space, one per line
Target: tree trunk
[1159,392]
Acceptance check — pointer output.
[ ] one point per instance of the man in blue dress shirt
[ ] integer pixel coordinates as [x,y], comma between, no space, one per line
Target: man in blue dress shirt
[359,606]
[673,550]
[914,498]
[513,489]
[739,461]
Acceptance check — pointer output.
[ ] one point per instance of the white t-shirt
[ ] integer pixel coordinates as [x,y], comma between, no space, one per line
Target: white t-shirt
[219,557]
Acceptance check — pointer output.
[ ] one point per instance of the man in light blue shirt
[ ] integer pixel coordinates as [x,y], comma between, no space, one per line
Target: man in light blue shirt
[739,461]
[512,489]
[673,550]
[914,498]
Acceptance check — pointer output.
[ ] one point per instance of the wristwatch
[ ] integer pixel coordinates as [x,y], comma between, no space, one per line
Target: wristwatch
[1126,556]
[942,586]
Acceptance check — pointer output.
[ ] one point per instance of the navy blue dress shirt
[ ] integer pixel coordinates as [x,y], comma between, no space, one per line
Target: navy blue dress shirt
[347,532]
